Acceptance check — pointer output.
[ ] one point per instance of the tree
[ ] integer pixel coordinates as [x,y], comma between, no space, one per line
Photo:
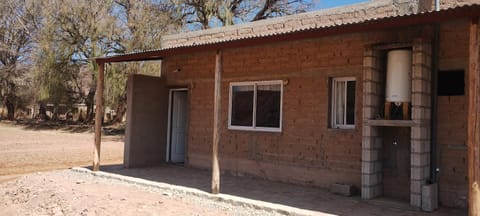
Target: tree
[143,23]
[208,13]
[57,72]
[58,40]
[83,29]
[73,32]
[17,25]
[56,77]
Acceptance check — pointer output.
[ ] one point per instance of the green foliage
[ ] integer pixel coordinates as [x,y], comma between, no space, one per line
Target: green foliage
[115,90]
[52,78]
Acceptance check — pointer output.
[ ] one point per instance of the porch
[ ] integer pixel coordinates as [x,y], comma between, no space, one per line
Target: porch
[286,196]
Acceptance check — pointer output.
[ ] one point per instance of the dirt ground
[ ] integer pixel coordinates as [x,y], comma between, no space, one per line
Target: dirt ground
[25,149]
[69,193]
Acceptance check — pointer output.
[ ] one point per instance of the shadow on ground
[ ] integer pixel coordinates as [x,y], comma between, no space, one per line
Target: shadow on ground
[298,196]
[71,127]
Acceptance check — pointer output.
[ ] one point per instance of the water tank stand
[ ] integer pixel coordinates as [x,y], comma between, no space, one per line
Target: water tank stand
[405,110]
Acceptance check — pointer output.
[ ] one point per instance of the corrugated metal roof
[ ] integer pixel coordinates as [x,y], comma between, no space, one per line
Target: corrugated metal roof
[337,19]
[334,17]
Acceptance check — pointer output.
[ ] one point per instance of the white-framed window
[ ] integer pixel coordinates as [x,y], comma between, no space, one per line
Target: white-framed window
[343,102]
[256,106]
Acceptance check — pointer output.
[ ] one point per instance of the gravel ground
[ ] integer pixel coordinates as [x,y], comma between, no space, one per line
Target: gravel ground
[70,193]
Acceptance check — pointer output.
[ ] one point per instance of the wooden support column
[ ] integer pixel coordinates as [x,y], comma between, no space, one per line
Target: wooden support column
[474,119]
[98,116]
[216,122]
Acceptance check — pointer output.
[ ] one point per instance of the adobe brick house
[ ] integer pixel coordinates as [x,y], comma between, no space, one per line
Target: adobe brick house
[302,100]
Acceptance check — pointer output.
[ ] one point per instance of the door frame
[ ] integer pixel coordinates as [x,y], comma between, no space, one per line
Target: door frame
[169,126]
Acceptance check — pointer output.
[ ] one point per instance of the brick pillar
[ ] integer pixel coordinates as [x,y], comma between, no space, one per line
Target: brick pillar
[371,136]
[421,108]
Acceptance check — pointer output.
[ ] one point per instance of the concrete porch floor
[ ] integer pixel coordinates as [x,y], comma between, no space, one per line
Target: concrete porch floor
[303,197]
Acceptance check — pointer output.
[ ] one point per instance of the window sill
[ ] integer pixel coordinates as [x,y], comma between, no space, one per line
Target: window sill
[342,130]
[273,130]
[346,127]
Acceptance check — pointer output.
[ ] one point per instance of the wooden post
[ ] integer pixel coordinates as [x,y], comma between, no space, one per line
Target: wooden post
[98,116]
[216,123]
[388,109]
[474,119]
[405,110]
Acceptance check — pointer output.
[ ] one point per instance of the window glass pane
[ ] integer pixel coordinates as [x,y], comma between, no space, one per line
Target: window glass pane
[339,102]
[350,102]
[268,106]
[242,105]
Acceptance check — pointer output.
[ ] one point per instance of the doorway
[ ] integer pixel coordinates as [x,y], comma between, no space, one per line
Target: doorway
[177,125]
[396,163]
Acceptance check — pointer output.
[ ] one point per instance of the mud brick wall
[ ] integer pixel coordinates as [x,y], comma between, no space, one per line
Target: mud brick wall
[307,151]
[452,119]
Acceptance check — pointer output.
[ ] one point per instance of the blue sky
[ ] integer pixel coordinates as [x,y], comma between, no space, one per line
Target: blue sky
[321,4]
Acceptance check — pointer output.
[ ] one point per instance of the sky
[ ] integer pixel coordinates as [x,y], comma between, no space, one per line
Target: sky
[321,4]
